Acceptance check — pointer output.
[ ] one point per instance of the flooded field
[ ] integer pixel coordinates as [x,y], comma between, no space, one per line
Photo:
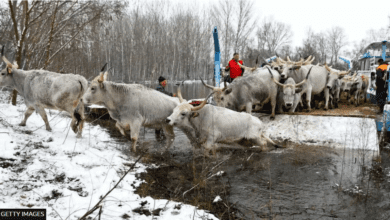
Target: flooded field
[297,182]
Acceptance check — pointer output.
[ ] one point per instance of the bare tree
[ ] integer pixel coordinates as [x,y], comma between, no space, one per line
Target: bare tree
[272,35]
[337,40]
[245,24]
[223,14]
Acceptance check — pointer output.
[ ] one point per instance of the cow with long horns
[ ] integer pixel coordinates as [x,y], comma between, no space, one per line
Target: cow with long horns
[42,90]
[213,124]
[133,106]
[247,91]
[315,84]
[289,96]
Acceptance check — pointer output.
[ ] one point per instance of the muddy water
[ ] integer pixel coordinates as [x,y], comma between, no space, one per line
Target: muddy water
[297,182]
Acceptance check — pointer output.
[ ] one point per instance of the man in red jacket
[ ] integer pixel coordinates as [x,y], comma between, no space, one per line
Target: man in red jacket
[234,67]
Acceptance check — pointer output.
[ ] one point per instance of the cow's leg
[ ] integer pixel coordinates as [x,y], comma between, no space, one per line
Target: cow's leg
[42,113]
[357,97]
[117,125]
[280,108]
[326,93]
[273,106]
[168,131]
[308,100]
[80,118]
[248,107]
[135,127]
[27,114]
[210,145]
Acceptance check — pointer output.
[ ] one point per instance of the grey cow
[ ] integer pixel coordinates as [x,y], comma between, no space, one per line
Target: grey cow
[42,90]
[244,92]
[316,83]
[213,124]
[334,83]
[290,94]
[355,86]
[133,106]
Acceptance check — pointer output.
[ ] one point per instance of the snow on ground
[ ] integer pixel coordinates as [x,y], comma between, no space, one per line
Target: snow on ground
[336,132]
[65,175]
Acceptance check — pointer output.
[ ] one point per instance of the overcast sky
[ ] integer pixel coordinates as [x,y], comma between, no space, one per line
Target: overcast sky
[356,17]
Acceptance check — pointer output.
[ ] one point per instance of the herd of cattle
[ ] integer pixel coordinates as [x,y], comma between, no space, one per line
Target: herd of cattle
[134,105]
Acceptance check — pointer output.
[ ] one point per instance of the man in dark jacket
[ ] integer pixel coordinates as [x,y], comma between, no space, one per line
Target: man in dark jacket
[162,82]
[381,88]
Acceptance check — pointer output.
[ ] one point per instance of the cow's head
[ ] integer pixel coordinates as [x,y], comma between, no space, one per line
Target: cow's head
[348,82]
[184,112]
[291,67]
[96,90]
[289,89]
[6,73]
[221,96]
[333,76]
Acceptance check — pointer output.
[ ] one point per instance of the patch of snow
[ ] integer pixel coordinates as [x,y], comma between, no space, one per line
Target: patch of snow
[217,199]
[336,132]
[66,175]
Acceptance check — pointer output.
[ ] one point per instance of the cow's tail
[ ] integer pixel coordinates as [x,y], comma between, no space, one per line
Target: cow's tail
[78,112]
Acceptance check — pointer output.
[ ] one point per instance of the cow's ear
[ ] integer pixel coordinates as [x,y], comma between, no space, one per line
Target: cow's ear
[341,76]
[297,67]
[194,114]
[298,90]
[229,90]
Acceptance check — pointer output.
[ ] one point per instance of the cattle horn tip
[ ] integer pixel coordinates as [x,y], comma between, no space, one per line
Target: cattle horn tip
[103,67]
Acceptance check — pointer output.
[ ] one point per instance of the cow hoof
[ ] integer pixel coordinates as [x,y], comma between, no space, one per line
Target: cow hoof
[78,136]
[326,109]
[22,124]
[48,129]
[272,117]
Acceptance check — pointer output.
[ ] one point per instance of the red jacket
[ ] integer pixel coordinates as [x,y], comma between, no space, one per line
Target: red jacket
[235,69]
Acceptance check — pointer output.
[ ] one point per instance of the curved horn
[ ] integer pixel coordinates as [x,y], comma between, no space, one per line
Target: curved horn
[208,86]
[3,57]
[301,83]
[288,59]
[202,104]
[308,59]
[327,68]
[272,77]
[179,92]
[103,67]
[267,139]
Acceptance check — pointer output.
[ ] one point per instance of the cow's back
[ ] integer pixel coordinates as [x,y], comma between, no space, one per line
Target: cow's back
[226,124]
[53,90]
[134,101]
[257,88]
[317,78]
